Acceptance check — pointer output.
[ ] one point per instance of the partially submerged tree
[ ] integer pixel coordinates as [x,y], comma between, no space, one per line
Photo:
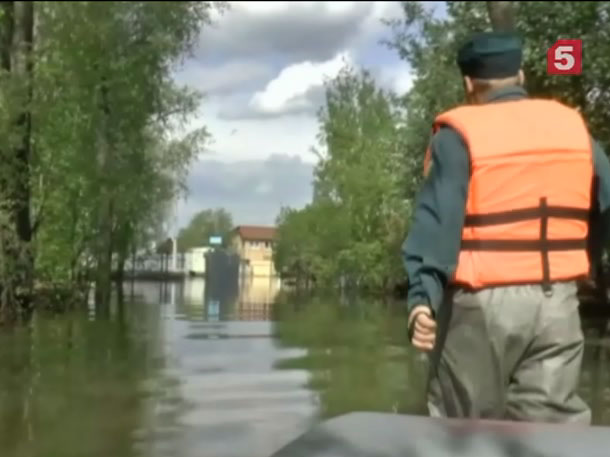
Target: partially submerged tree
[16,229]
[88,120]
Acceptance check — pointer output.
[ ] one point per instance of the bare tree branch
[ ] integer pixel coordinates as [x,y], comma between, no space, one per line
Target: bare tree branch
[502,15]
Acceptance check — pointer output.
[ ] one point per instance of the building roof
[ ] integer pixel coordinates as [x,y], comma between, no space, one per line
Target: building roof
[255,232]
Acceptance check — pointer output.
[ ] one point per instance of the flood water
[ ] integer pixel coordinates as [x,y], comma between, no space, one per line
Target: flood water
[177,373]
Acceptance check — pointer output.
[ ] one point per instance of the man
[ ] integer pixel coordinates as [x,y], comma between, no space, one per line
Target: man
[498,241]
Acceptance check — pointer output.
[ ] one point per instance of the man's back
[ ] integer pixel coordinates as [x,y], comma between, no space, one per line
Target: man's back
[432,247]
[519,126]
[528,194]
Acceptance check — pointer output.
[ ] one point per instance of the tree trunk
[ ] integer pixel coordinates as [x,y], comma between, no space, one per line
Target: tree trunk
[120,268]
[501,15]
[24,66]
[17,29]
[122,254]
[123,241]
[6,30]
[7,309]
[133,269]
[120,294]
[103,276]
[134,258]
[72,226]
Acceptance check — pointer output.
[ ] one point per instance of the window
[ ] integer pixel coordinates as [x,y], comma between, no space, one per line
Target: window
[258,244]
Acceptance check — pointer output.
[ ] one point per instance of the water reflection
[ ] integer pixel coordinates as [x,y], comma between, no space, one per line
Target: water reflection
[194,291]
[69,385]
[595,376]
[256,295]
[250,299]
[357,355]
[233,401]
[359,358]
[196,369]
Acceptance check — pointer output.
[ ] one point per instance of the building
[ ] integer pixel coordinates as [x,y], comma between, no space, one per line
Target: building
[256,297]
[254,246]
[194,261]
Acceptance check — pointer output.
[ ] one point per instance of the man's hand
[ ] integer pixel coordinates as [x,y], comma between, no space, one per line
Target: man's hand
[424,328]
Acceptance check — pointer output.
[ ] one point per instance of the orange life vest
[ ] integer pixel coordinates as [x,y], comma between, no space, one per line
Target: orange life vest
[529,195]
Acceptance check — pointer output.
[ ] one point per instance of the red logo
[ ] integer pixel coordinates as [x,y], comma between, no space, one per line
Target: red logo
[564,58]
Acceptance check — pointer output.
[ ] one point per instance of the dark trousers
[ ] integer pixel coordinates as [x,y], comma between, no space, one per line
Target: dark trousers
[509,353]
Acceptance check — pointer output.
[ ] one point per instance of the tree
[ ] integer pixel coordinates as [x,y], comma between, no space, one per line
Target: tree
[16,75]
[88,115]
[120,86]
[356,223]
[203,225]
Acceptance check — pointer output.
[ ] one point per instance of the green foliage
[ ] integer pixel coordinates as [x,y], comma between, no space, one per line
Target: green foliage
[88,372]
[356,222]
[105,163]
[106,159]
[203,225]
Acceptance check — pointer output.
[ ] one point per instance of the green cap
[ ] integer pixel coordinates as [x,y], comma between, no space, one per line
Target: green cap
[491,55]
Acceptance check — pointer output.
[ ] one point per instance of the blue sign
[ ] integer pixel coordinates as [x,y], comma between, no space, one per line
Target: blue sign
[215,240]
[213,310]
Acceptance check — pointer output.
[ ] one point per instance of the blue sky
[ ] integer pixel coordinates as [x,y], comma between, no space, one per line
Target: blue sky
[262,66]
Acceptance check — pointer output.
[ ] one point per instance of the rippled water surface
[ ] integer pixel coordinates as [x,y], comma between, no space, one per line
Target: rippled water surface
[175,373]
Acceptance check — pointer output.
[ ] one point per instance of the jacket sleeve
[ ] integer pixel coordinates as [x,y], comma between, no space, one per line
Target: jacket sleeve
[602,174]
[600,218]
[431,250]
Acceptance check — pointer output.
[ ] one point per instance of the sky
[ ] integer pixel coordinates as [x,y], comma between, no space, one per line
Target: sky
[261,66]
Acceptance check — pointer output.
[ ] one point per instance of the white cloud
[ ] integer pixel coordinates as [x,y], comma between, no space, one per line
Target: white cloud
[373,25]
[258,138]
[397,77]
[253,191]
[228,76]
[294,30]
[289,90]
[263,65]
[264,8]
[252,115]
[263,188]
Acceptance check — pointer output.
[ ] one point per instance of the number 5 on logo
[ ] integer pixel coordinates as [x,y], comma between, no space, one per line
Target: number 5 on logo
[564,58]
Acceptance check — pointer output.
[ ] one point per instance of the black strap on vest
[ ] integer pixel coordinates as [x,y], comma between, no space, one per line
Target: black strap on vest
[542,244]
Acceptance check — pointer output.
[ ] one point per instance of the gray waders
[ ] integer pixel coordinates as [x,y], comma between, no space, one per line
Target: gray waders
[509,353]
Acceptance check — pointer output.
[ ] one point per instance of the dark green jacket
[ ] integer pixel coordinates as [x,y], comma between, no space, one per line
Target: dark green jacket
[432,247]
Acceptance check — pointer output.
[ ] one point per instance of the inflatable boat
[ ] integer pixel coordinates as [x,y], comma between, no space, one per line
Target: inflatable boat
[393,435]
